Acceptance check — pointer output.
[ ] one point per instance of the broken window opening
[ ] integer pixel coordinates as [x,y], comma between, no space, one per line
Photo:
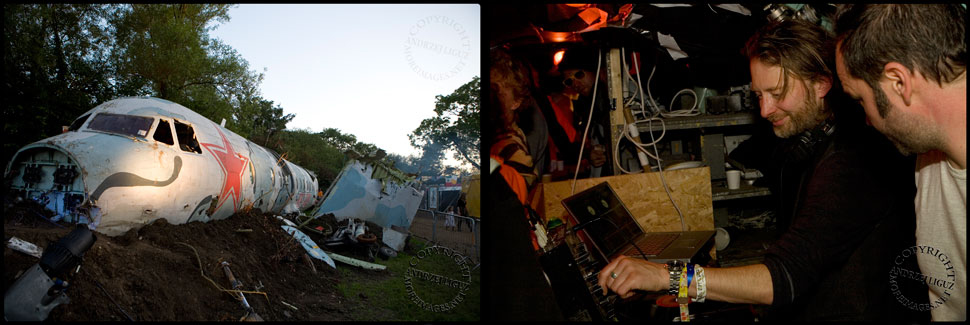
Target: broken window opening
[163,132]
[187,139]
[78,122]
[128,125]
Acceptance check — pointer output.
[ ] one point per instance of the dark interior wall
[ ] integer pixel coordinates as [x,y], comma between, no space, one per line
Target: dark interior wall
[446,199]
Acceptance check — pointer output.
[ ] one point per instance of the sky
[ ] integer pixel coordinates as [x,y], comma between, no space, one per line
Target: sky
[369,70]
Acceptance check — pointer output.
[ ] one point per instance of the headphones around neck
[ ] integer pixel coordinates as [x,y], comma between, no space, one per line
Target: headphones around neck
[805,144]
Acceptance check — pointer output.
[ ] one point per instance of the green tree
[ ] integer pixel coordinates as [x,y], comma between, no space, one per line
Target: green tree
[61,60]
[305,148]
[430,162]
[368,149]
[259,119]
[54,62]
[271,120]
[166,46]
[405,164]
[344,142]
[457,124]
[164,50]
[337,139]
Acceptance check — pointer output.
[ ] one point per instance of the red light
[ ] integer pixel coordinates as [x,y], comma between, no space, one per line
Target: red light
[556,58]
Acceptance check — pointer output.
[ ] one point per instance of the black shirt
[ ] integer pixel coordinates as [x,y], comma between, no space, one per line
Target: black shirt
[516,290]
[853,214]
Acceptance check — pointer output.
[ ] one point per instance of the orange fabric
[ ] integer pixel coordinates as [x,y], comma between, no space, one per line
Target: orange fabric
[514,179]
[511,147]
[563,106]
[517,184]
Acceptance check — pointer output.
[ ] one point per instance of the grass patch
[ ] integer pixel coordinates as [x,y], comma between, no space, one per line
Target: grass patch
[383,296]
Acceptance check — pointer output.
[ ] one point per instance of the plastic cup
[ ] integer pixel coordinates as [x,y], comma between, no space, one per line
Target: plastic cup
[734,179]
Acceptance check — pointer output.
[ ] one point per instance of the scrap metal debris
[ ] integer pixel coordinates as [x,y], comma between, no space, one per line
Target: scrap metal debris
[25,247]
[251,315]
[309,245]
[357,263]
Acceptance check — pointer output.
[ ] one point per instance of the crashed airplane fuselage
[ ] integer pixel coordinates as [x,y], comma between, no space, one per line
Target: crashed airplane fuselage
[133,160]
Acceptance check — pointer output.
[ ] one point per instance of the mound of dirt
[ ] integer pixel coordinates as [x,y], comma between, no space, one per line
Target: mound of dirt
[153,274]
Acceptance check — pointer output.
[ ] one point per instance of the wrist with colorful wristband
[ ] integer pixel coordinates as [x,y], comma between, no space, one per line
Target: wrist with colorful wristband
[683,299]
[701,281]
[675,269]
[690,274]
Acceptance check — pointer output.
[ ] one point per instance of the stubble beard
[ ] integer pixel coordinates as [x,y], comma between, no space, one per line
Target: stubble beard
[910,134]
[800,120]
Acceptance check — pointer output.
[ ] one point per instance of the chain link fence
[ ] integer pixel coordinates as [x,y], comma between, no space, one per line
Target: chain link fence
[464,238]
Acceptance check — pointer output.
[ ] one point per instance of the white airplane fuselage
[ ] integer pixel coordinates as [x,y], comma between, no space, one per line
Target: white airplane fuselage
[139,159]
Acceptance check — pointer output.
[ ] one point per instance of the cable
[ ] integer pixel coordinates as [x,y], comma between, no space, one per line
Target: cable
[649,121]
[616,142]
[643,108]
[627,125]
[596,78]
[616,147]
[98,284]
[649,93]
[683,225]
[659,166]
[626,73]
[687,112]
[677,113]
[113,300]
[639,145]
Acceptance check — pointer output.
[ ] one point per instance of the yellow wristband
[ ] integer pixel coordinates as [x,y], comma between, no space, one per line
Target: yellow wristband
[683,299]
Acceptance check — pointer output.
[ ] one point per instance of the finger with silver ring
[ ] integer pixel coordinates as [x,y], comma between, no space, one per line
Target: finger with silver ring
[613,275]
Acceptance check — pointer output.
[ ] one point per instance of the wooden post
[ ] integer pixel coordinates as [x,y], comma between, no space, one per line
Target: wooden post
[614,81]
[620,114]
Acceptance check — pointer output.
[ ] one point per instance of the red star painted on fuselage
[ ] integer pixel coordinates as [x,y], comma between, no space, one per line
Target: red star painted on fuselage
[233,166]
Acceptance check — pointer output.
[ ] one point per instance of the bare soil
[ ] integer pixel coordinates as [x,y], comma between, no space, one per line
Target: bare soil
[149,275]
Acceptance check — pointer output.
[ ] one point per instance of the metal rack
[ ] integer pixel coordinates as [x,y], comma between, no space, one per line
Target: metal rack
[713,147]
[720,193]
[706,121]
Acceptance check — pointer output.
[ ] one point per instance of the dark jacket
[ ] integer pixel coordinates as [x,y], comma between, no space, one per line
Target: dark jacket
[853,214]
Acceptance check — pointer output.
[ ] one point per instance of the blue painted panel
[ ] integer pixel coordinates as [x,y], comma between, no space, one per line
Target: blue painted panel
[350,186]
[392,216]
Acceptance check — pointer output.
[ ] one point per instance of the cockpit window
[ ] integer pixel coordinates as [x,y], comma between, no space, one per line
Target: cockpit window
[187,140]
[129,125]
[78,122]
[163,132]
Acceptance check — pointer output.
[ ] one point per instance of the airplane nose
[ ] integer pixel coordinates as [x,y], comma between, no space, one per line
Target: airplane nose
[49,173]
[43,168]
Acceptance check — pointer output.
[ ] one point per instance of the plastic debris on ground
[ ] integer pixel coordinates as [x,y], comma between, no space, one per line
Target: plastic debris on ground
[309,245]
[25,247]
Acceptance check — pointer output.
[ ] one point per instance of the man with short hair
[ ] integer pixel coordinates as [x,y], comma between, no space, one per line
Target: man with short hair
[906,65]
[833,262]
